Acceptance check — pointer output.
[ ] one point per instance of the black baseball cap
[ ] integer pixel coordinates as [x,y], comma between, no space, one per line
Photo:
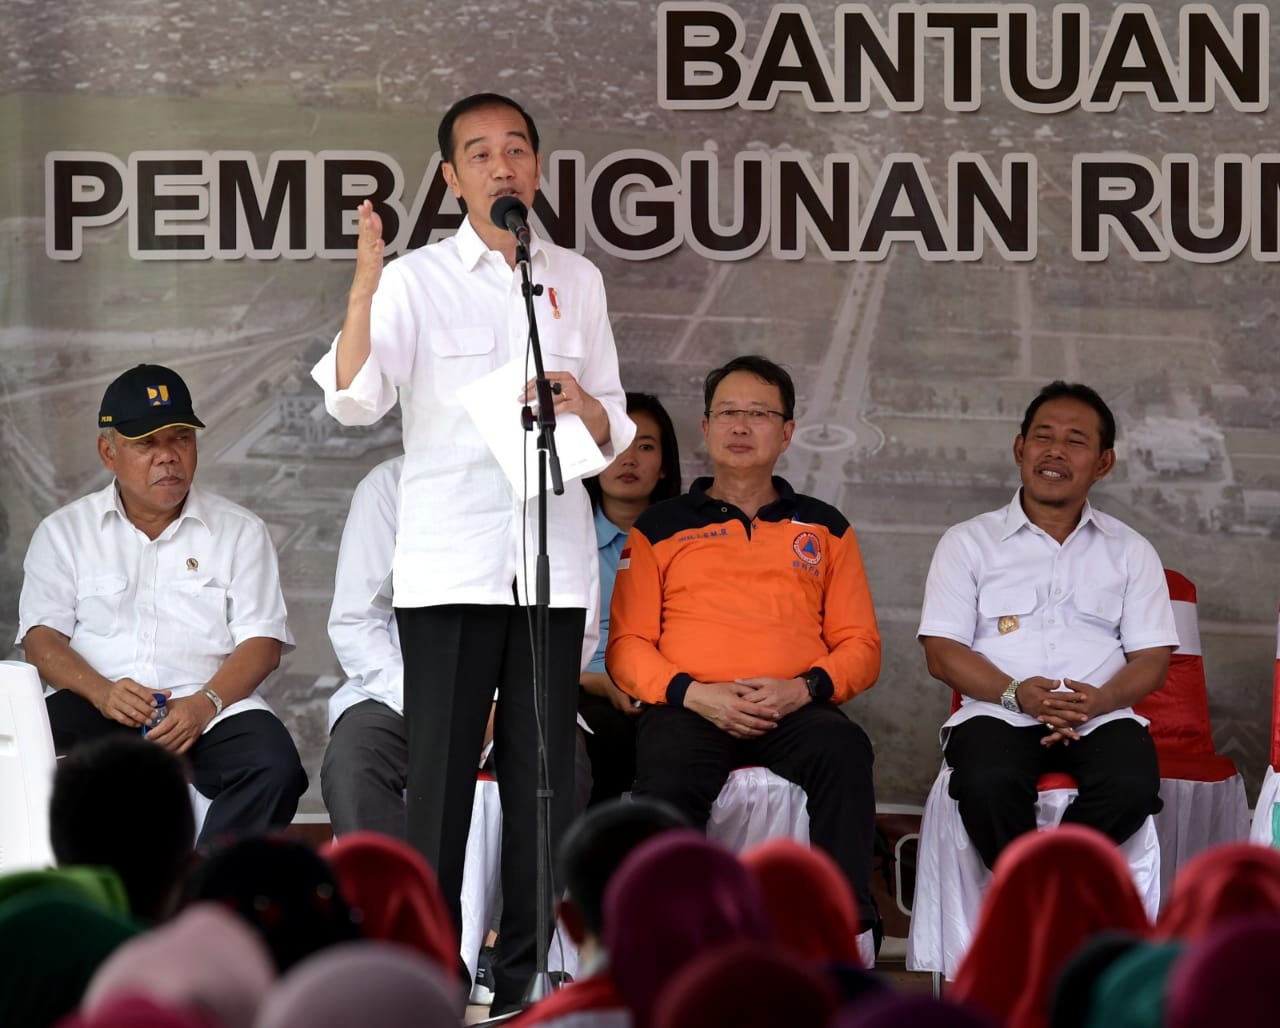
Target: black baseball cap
[146,399]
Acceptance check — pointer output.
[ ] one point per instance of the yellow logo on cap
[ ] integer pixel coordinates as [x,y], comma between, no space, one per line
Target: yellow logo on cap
[158,395]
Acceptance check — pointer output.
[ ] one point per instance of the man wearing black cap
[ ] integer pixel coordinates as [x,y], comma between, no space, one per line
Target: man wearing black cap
[152,593]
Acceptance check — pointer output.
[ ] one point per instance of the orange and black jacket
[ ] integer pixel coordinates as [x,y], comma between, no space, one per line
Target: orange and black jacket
[704,594]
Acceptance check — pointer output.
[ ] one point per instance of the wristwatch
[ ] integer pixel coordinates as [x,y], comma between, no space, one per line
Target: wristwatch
[813,682]
[214,698]
[1009,698]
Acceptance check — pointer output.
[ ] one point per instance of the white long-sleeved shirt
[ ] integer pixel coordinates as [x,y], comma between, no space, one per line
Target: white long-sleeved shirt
[362,624]
[165,612]
[1008,590]
[442,317]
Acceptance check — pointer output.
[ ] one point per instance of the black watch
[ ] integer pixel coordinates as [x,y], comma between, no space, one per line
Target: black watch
[813,682]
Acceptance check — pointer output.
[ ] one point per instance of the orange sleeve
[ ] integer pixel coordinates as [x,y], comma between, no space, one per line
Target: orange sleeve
[635,625]
[849,623]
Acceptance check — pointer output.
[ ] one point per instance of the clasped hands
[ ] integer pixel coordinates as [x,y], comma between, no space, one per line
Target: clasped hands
[747,708]
[1063,711]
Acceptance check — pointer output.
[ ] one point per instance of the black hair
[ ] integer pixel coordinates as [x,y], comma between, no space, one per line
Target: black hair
[761,367]
[444,134]
[1057,390]
[122,802]
[669,484]
[599,841]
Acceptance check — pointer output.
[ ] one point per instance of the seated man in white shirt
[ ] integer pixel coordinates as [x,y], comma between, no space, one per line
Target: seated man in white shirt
[1051,619]
[366,763]
[154,588]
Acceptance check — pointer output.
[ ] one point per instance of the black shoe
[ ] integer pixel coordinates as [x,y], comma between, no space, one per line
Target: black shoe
[482,988]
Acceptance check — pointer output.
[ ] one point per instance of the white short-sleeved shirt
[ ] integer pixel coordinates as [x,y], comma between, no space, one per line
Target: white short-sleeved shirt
[165,612]
[1009,591]
[443,316]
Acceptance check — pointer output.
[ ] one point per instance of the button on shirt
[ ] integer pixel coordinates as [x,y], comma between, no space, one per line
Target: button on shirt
[1006,588]
[165,612]
[444,316]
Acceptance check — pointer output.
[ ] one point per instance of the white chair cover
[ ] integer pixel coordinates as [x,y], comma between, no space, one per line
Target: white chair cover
[27,762]
[1266,815]
[755,805]
[951,878]
[1196,816]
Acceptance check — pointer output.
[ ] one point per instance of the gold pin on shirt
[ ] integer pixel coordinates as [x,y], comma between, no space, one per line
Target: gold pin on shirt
[1007,624]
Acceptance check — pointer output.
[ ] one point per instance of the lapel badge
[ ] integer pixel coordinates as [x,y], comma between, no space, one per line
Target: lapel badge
[1007,624]
[193,564]
[555,303]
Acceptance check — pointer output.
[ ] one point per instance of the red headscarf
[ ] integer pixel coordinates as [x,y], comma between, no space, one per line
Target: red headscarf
[395,895]
[746,985]
[810,904]
[1222,882]
[1049,893]
[671,900]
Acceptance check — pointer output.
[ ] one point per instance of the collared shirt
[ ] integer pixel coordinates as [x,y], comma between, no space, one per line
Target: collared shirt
[165,612]
[362,624]
[706,594]
[444,316]
[610,540]
[1008,590]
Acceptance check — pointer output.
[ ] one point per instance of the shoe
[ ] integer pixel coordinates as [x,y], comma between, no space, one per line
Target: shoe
[482,988]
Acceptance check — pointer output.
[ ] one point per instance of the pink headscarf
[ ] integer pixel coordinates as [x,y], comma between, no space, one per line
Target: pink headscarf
[1220,883]
[1229,978]
[364,983]
[1050,891]
[206,960]
[394,895]
[810,904]
[747,984]
[673,898]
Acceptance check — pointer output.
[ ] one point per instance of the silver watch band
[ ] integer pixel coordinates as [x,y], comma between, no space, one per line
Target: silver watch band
[214,698]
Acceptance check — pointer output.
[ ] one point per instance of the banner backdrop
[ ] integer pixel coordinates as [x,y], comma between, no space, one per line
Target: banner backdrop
[926,211]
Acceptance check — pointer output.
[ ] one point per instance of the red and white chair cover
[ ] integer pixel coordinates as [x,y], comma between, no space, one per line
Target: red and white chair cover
[1204,796]
[1266,815]
[27,762]
[951,878]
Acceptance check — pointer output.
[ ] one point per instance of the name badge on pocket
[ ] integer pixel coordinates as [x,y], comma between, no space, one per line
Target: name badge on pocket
[1007,624]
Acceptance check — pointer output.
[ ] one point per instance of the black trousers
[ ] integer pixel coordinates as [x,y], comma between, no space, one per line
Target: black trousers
[684,759]
[611,747]
[363,775]
[455,656]
[994,768]
[247,765]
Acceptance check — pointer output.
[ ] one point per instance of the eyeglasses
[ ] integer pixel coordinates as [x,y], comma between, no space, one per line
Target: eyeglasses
[754,416]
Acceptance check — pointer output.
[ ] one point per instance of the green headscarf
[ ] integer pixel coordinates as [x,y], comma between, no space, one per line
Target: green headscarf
[98,885]
[1130,993]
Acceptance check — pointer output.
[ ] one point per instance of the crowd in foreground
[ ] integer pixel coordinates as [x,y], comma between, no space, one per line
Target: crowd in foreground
[135,928]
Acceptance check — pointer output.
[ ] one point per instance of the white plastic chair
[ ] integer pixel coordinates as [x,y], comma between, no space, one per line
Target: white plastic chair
[27,763]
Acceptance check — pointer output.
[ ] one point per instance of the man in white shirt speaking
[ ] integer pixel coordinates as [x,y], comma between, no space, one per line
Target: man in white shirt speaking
[153,587]
[1051,619]
[434,321]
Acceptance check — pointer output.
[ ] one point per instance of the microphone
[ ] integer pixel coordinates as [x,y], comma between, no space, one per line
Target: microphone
[510,213]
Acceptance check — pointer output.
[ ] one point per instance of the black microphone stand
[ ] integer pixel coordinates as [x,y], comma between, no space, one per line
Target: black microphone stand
[545,421]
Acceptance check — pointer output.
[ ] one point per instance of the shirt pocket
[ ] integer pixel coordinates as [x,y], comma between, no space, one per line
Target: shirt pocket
[1100,606]
[459,357]
[1005,610]
[98,603]
[197,612]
